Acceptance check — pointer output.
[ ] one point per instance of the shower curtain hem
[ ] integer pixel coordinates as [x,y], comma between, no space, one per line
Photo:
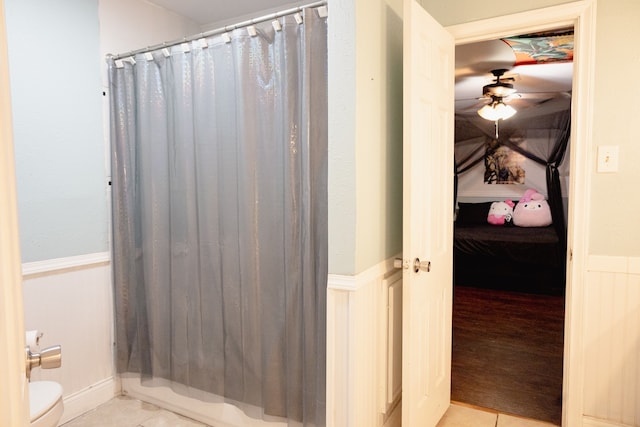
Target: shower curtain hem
[204,407]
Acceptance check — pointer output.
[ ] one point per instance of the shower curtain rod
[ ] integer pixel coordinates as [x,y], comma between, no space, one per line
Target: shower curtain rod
[220,30]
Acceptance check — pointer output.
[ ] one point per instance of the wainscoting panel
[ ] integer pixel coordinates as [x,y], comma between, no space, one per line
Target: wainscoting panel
[70,302]
[364,348]
[392,329]
[612,342]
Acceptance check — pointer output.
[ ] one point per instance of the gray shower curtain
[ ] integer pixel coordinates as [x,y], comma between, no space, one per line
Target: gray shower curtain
[219,174]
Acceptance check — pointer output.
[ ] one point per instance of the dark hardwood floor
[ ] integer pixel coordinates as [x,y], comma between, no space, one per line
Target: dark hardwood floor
[507,352]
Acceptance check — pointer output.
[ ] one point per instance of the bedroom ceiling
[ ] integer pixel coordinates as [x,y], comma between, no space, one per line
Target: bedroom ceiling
[536,84]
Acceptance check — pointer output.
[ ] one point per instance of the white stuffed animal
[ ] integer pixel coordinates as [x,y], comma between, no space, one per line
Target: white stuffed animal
[500,213]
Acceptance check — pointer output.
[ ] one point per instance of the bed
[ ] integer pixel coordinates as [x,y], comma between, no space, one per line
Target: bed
[529,259]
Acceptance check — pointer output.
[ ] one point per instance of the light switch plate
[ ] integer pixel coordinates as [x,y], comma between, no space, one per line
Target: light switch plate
[608,158]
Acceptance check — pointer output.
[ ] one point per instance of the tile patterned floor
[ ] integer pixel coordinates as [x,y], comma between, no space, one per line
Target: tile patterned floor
[124,411]
[464,416]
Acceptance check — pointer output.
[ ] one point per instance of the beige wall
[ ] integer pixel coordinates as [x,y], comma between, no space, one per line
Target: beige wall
[614,226]
[378,131]
[365,133]
[127,25]
[341,117]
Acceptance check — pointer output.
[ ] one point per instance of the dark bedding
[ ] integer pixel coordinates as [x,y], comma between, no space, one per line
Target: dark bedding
[529,245]
[509,258]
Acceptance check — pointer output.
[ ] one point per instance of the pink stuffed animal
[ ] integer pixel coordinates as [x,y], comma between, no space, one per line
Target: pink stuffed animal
[532,210]
[500,212]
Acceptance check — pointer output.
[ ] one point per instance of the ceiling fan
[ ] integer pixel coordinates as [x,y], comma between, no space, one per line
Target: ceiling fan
[497,92]
[500,88]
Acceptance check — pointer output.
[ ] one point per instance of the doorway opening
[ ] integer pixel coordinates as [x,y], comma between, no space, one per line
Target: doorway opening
[509,307]
[580,15]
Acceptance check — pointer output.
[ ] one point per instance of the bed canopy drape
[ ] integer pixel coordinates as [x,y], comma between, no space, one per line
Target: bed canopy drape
[550,129]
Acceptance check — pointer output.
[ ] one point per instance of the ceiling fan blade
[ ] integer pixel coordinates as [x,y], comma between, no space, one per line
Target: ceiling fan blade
[480,68]
[470,105]
[540,95]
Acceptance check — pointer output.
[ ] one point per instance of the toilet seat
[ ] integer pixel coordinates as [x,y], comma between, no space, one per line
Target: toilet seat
[45,403]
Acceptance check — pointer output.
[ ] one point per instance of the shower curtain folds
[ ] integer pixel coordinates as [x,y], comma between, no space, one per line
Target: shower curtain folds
[219,171]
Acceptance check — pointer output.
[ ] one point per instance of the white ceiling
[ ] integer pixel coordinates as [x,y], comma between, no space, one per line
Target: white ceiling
[474,62]
[214,13]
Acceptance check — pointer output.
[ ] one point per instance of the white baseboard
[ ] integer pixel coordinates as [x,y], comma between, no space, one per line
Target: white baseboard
[90,398]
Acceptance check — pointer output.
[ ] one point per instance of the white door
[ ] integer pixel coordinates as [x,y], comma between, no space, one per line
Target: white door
[427,217]
[14,388]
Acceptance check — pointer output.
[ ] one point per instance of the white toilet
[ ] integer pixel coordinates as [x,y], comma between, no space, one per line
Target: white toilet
[45,397]
[45,403]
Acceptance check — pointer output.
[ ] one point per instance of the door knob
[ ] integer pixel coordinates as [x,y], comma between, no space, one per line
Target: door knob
[51,357]
[421,265]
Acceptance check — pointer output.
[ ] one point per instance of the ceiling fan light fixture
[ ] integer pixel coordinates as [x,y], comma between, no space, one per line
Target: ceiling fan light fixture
[497,110]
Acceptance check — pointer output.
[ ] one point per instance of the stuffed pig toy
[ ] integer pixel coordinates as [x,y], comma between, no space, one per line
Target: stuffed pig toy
[532,210]
[500,213]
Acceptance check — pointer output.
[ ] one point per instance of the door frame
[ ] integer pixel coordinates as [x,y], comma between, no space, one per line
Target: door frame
[581,15]
[14,407]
